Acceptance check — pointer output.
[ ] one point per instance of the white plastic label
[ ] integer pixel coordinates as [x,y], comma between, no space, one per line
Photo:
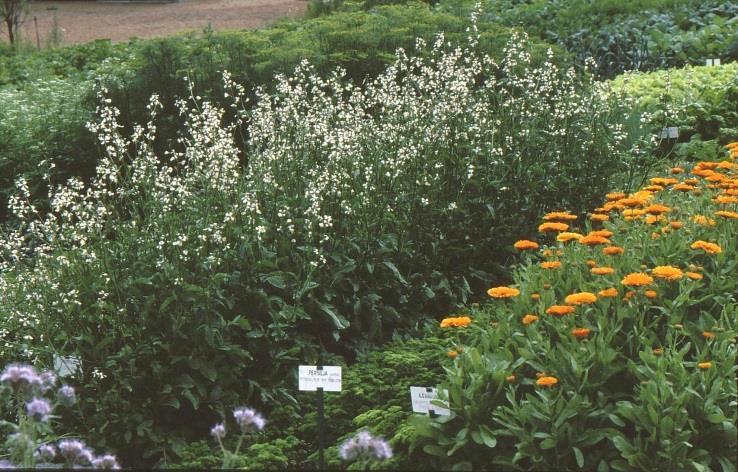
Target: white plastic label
[327,377]
[712,62]
[422,398]
[671,132]
[66,366]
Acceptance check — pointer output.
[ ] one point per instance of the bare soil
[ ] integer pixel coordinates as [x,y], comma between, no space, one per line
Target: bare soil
[83,21]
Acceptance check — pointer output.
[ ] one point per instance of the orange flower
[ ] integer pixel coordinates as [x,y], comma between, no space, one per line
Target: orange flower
[629,295]
[612,250]
[559,216]
[657,351]
[551,264]
[657,209]
[676,224]
[708,247]
[553,227]
[594,240]
[599,217]
[709,335]
[683,187]
[455,322]
[580,333]
[567,236]
[705,365]
[727,214]
[452,354]
[637,279]
[694,275]
[602,270]
[663,181]
[651,294]
[667,272]
[691,181]
[581,298]
[703,220]
[547,381]
[615,196]
[653,188]
[528,319]
[677,170]
[601,233]
[591,263]
[632,202]
[525,245]
[725,199]
[560,310]
[503,292]
[608,293]
[510,379]
[535,296]
[546,286]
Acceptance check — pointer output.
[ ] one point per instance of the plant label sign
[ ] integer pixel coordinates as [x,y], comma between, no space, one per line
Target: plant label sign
[672,132]
[313,377]
[712,62]
[422,397]
[66,366]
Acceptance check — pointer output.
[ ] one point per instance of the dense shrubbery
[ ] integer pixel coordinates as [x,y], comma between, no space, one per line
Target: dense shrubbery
[564,374]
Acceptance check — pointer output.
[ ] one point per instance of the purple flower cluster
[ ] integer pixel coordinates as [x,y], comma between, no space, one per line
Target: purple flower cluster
[39,409]
[365,446]
[75,451]
[45,453]
[105,462]
[248,419]
[218,431]
[66,395]
[21,378]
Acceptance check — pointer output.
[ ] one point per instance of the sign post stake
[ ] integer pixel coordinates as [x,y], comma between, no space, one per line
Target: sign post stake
[321,426]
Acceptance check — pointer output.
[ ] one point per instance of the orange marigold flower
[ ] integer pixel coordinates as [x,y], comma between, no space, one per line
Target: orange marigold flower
[456,322]
[510,379]
[665,181]
[725,199]
[560,310]
[503,292]
[528,319]
[703,220]
[580,333]
[525,245]
[551,264]
[591,263]
[615,196]
[629,295]
[667,272]
[581,298]
[709,335]
[602,270]
[547,381]
[613,250]
[676,224]
[657,351]
[705,365]
[637,279]
[633,213]
[608,293]
[546,286]
[567,236]
[452,354]
[683,187]
[602,233]
[708,247]
[677,170]
[552,227]
[651,294]
[535,296]
[653,188]
[559,216]
[691,181]
[593,240]
[694,275]
[657,209]
[727,214]
[632,202]
[599,217]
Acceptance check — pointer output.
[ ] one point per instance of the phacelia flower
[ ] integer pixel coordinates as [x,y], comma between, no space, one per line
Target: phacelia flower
[364,446]
[218,431]
[560,310]
[66,395]
[503,292]
[248,420]
[708,247]
[547,381]
[528,319]
[45,453]
[637,279]
[670,273]
[21,378]
[580,333]
[582,298]
[39,409]
[108,461]
[456,322]
[525,245]
[75,451]
[48,380]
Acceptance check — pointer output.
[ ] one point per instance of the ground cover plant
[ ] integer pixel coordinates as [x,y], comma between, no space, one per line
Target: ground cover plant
[614,347]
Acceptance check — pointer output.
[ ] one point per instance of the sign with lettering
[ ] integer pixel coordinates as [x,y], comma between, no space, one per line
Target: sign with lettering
[66,366]
[712,62]
[672,132]
[422,397]
[312,377]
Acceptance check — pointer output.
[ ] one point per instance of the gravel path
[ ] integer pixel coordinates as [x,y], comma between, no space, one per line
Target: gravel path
[83,21]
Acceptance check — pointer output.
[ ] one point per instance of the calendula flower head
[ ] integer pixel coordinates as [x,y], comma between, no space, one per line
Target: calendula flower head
[593,240]
[657,351]
[704,365]
[525,245]
[657,209]
[560,310]
[613,250]
[602,270]
[703,220]
[456,322]
[709,335]
[551,264]
[706,246]
[581,298]
[608,293]
[725,199]
[591,263]
[653,188]
[559,216]
[547,381]
[552,227]
[667,273]
[683,187]
[510,379]
[528,319]
[599,217]
[663,181]
[613,196]
[676,224]
[637,279]
[580,333]
[567,236]
[535,296]
[651,294]
[677,170]
[452,354]
[605,233]
[503,292]
[694,275]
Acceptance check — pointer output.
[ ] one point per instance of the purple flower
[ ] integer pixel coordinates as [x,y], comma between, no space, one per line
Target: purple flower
[218,431]
[75,451]
[66,395]
[39,409]
[48,380]
[248,419]
[21,378]
[107,461]
[45,453]
[365,446]
[7,465]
